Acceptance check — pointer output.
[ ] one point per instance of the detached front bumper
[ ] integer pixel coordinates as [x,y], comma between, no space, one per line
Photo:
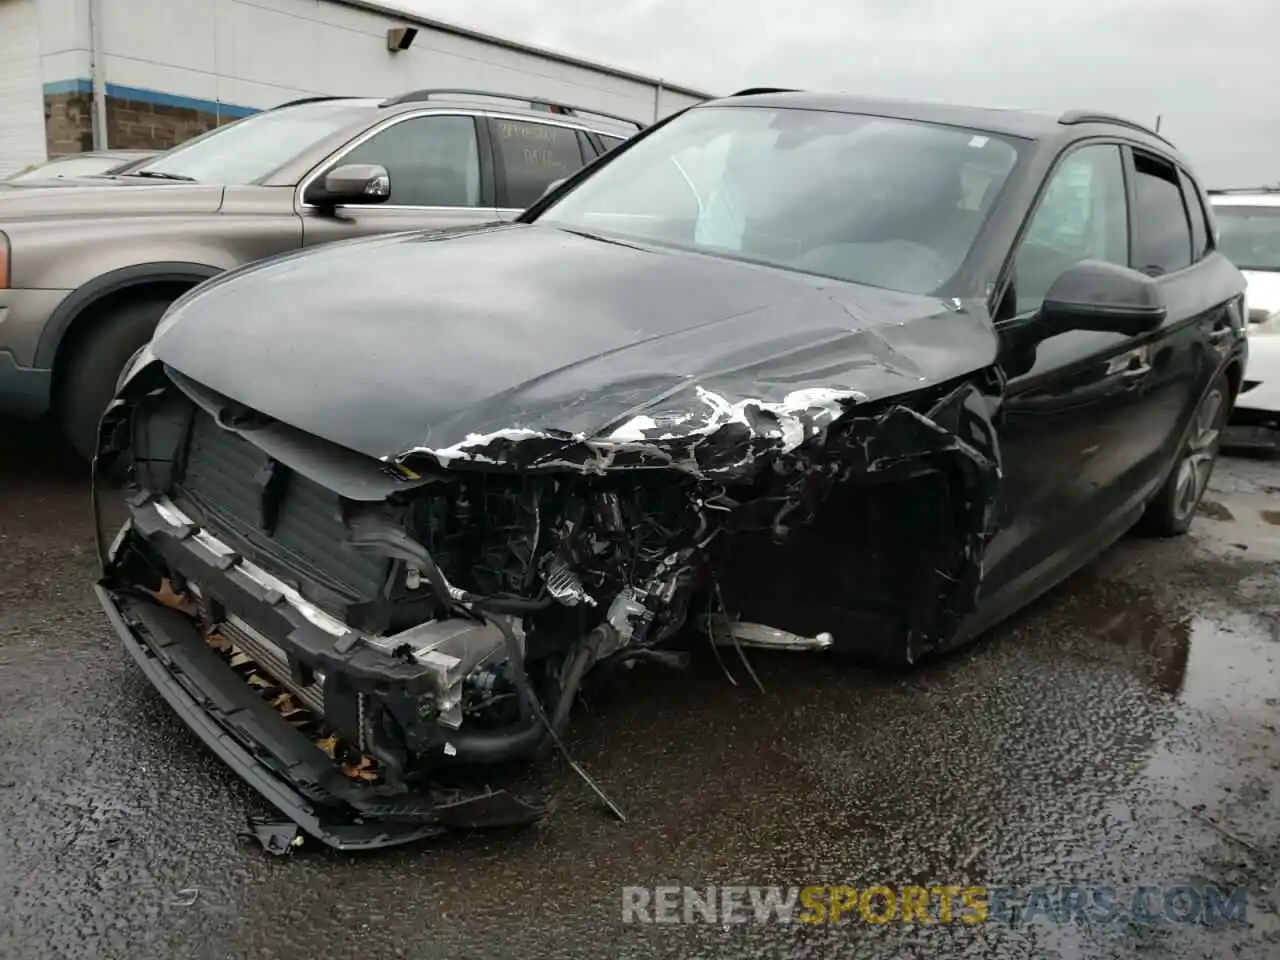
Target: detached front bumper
[225,714]
[282,764]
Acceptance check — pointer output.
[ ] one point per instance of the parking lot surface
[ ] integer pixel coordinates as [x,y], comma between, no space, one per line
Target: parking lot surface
[1121,732]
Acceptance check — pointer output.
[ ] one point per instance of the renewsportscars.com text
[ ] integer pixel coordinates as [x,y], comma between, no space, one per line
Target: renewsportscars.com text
[960,905]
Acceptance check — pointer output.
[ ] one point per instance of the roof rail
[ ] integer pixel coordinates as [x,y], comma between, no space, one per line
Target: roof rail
[301,100]
[417,96]
[1221,190]
[754,91]
[1072,117]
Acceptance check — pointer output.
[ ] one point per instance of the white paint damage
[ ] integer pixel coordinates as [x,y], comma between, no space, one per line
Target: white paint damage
[821,404]
[466,449]
[799,415]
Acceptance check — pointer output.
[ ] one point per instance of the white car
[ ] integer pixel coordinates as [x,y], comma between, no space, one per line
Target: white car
[1248,223]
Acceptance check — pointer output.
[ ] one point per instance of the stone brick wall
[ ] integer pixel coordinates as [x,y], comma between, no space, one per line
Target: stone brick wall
[136,125]
[68,123]
[131,124]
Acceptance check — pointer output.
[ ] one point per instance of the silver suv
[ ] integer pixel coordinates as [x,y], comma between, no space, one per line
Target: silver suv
[88,268]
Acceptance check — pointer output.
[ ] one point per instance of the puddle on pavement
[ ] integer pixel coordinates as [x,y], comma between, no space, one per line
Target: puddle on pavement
[1206,658]
[1232,664]
[1135,626]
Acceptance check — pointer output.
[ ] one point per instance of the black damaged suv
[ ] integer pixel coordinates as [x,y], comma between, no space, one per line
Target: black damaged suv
[787,370]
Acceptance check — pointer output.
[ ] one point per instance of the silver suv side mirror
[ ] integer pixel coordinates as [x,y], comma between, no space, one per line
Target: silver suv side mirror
[352,183]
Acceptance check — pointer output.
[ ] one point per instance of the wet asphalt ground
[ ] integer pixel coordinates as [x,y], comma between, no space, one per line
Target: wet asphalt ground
[1121,732]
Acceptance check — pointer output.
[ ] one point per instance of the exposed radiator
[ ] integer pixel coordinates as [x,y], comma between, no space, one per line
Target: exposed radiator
[272,659]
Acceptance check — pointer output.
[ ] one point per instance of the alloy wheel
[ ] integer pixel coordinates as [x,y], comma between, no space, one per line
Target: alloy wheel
[1200,454]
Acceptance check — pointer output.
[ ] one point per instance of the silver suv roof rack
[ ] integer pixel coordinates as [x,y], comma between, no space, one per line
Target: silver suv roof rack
[302,100]
[537,103]
[1270,189]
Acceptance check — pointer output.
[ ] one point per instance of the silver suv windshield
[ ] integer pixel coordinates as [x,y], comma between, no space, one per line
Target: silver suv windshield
[885,202]
[251,149]
[72,166]
[1249,236]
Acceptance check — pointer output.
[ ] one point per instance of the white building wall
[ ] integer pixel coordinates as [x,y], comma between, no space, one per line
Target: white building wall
[65,49]
[22,140]
[258,53]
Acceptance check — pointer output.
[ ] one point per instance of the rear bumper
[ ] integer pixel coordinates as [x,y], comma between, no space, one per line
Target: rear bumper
[1260,394]
[1255,419]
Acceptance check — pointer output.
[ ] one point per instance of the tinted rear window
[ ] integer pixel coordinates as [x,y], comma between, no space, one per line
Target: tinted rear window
[1163,241]
[531,156]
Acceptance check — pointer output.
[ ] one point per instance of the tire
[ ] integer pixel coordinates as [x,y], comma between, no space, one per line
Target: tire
[1174,507]
[94,367]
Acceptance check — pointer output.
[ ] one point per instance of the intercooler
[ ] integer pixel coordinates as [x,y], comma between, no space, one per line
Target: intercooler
[281,519]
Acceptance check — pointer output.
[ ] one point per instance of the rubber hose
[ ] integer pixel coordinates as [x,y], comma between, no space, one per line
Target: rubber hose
[517,742]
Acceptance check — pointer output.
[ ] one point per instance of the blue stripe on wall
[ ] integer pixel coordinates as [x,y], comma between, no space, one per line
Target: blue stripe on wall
[67,86]
[115,90]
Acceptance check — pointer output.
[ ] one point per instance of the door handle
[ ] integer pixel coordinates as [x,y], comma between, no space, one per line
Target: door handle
[1137,367]
[1129,366]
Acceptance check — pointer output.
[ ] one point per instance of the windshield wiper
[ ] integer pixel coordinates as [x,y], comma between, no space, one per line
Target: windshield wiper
[158,175]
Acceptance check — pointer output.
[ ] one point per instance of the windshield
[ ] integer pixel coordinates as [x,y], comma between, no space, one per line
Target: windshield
[889,203]
[1249,236]
[85,166]
[251,149]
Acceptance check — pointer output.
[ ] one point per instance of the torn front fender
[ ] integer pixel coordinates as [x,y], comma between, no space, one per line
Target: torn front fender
[877,535]
[958,432]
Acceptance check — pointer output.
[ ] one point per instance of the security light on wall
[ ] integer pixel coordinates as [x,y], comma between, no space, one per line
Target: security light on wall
[400,38]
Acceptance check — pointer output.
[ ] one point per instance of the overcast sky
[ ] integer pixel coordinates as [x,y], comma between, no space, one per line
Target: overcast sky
[1212,70]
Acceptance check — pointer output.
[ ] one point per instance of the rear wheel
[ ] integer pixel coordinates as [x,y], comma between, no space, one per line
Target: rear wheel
[1171,512]
[89,379]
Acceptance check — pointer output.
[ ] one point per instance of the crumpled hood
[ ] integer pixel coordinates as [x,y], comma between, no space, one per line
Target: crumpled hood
[430,342]
[106,197]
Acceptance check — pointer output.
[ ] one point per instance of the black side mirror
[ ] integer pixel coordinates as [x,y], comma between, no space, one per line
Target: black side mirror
[1094,295]
[352,183]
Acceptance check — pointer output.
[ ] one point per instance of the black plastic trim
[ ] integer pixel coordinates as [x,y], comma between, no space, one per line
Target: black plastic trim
[106,284]
[757,91]
[24,391]
[1073,117]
